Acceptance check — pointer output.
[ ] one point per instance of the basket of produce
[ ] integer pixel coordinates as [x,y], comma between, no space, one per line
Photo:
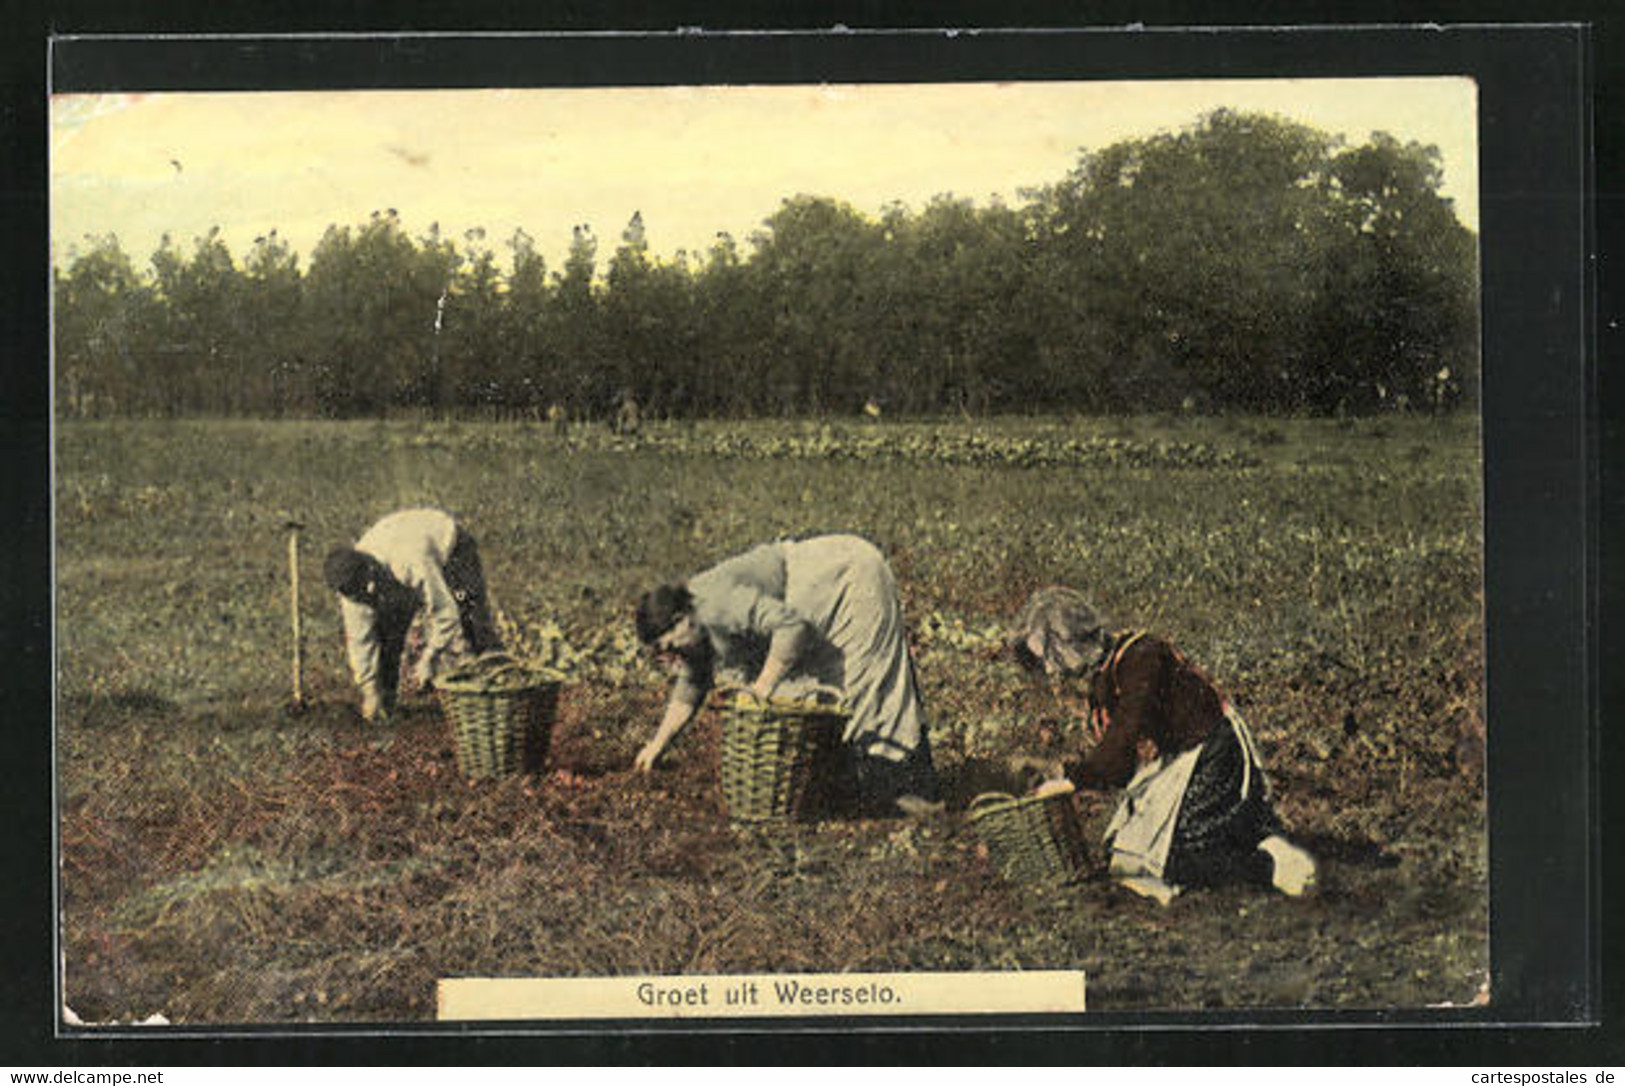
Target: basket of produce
[501,711]
[1037,838]
[778,757]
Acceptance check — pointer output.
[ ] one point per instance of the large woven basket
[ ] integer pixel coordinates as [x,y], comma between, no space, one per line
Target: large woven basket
[501,712]
[778,758]
[1034,838]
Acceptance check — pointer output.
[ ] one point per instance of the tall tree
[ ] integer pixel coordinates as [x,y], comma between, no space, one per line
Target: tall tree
[966,270]
[651,325]
[431,358]
[576,332]
[633,337]
[270,316]
[1400,318]
[371,302]
[1196,248]
[729,332]
[204,355]
[104,327]
[530,358]
[470,332]
[814,260]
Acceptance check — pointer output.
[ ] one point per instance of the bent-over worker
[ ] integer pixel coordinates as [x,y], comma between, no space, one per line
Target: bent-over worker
[412,561]
[791,617]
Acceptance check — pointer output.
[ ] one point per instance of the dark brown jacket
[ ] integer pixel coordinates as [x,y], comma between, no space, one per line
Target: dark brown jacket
[1143,690]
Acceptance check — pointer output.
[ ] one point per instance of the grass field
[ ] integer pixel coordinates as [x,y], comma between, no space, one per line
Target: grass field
[226,861]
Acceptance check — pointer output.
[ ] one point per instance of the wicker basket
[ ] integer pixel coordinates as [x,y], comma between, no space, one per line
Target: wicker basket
[778,758]
[501,712]
[1032,839]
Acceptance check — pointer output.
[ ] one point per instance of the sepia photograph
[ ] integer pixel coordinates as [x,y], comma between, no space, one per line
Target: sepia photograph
[735,550]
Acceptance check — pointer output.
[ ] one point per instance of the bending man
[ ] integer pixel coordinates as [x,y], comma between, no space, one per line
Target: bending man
[411,561]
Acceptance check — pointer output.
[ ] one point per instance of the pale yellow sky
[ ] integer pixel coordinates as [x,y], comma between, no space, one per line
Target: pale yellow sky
[693,160]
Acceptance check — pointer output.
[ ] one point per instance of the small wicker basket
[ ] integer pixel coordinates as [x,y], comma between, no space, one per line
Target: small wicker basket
[778,758]
[501,712]
[1034,838]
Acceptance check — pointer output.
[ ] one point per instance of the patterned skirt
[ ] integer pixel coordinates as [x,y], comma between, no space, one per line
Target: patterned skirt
[1226,811]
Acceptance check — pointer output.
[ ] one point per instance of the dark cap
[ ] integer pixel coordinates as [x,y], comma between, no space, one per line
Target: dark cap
[346,571]
[661,609]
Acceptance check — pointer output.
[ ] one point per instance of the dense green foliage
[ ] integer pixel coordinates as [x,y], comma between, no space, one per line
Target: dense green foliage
[1244,263]
[225,861]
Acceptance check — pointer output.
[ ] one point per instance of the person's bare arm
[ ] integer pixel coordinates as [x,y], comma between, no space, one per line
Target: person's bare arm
[782,652]
[679,711]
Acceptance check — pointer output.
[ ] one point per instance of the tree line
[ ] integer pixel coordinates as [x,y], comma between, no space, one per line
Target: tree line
[1243,263]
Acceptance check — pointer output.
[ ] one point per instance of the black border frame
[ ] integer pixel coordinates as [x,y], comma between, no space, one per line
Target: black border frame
[1547,588]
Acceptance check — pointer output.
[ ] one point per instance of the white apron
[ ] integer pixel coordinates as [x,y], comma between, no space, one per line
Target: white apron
[1141,830]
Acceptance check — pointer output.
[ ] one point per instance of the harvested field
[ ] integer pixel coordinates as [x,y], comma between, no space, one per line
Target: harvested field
[225,860]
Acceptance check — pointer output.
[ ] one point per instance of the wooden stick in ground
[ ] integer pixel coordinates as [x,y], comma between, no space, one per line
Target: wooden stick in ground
[293,527]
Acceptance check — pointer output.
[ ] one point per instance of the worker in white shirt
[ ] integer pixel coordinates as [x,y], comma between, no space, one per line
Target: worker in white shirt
[416,560]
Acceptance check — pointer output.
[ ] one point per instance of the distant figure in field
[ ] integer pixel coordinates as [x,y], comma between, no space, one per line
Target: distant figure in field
[1440,391]
[559,420]
[1196,807]
[416,560]
[789,617]
[627,418]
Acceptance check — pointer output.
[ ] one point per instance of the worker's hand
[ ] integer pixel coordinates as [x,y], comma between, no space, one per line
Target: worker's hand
[445,663]
[645,761]
[1099,721]
[772,673]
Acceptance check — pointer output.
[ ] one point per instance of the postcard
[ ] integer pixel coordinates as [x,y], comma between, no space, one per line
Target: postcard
[736,552]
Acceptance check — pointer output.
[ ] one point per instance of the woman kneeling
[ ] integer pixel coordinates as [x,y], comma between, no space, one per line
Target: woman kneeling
[1196,806]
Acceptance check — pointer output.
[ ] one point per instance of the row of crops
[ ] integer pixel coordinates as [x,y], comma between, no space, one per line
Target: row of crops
[957,447]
